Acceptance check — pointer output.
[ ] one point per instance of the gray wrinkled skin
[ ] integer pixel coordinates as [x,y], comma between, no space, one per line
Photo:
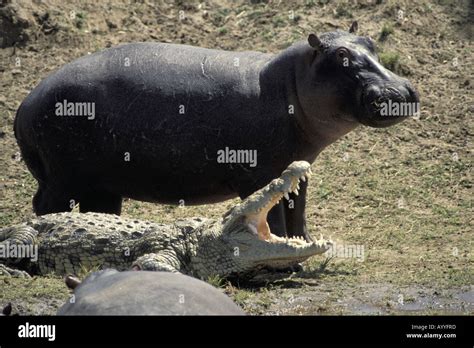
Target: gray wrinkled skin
[110,292]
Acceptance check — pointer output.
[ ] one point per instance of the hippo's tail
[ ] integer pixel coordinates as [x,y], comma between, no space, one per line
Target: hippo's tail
[15,122]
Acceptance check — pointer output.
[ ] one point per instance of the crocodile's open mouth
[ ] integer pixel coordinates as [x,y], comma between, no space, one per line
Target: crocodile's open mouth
[281,188]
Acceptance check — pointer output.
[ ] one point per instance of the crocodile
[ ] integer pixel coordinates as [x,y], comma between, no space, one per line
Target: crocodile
[240,243]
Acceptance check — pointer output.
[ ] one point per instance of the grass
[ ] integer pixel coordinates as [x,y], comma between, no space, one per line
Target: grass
[222,31]
[279,21]
[386,31]
[255,15]
[80,20]
[38,295]
[342,11]
[241,297]
[86,270]
[217,281]
[390,60]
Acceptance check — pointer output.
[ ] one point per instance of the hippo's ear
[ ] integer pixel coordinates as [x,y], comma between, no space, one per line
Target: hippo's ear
[72,282]
[354,27]
[314,41]
[7,310]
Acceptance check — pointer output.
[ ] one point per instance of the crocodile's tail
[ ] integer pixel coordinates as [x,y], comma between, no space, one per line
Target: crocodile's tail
[18,234]
[18,246]
[5,233]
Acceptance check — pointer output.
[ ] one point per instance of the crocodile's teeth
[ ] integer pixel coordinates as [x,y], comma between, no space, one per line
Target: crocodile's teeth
[287,196]
[253,229]
[295,191]
[298,186]
[303,178]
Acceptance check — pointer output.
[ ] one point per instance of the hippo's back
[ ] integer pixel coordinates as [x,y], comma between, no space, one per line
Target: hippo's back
[147,293]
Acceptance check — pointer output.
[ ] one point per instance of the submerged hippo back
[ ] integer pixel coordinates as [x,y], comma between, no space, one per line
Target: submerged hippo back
[147,293]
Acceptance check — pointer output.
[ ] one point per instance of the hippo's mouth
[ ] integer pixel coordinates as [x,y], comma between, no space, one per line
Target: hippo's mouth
[387,105]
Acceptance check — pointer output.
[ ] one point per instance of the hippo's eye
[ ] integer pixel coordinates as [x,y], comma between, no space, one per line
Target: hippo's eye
[343,55]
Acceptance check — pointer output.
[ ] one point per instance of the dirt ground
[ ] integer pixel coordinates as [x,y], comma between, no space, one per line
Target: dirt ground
[402,195]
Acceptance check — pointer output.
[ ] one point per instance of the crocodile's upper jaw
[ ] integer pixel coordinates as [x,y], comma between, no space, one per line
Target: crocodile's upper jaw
[246,224]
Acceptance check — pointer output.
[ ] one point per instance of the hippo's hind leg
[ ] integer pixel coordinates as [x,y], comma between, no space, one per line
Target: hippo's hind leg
[101,202]
[56,200]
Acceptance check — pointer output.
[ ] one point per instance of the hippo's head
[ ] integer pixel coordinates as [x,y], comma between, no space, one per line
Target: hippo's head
[344,79]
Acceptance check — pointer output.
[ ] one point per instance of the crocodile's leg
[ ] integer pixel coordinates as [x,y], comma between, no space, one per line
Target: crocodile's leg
[165,262]
[17,248]
[12,272]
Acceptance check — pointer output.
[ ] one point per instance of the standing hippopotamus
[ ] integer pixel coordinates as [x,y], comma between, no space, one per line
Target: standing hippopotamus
[179,124]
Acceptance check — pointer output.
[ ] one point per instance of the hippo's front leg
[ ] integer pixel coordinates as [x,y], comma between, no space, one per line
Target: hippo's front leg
[295,216]
[287,218]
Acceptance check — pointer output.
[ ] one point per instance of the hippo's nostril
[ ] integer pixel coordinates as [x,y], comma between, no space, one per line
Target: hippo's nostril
[373,93]
[395,93]
[377,103]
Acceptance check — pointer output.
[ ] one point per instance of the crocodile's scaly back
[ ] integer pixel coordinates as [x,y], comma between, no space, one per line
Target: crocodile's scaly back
[67,242]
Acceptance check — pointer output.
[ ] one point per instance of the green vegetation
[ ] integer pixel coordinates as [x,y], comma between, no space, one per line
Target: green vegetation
[216,281]
[80,20]
[342,11]
[387,30]
[390,60]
